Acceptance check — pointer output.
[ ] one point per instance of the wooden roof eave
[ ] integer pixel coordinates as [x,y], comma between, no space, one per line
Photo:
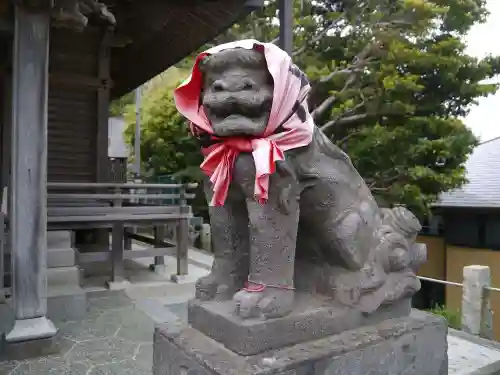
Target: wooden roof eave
[135,64]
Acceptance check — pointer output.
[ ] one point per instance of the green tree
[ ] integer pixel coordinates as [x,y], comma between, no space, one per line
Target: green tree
[117,106]
[167,148]
[166,145]
[391,82]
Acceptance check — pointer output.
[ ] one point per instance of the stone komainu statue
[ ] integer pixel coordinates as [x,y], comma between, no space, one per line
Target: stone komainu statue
[288,211]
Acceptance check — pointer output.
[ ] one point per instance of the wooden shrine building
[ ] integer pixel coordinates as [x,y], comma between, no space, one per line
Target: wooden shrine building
[61,62]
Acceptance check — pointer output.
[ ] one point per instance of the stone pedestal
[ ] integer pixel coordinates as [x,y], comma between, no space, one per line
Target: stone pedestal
[316,339]
[313,317]
[66,300]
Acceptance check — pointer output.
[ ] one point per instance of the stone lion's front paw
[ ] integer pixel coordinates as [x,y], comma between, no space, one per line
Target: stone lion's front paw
[215,287]
[266,304]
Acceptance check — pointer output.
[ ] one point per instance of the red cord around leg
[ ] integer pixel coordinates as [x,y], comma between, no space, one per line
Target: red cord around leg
[254,287]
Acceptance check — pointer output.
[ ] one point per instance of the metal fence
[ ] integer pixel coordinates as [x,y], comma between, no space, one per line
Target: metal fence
[476,313]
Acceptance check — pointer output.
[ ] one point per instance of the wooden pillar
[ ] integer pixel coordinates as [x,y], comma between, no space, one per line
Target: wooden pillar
[182,238]
[6,130]
[103,68]
[27,193]
[117,280]
[286,25]
[101,236]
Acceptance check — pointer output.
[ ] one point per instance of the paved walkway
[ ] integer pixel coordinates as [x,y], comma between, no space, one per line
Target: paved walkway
[472,355]
[115,338]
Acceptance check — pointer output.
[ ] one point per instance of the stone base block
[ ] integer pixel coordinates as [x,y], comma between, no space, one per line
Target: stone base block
[121,284]
[313,317]
[61,257]
[62,276]
[184,279]
[63,304]
[59,239]
[409,346]
[31,329]
[67,303]
[30,349]
[158,268]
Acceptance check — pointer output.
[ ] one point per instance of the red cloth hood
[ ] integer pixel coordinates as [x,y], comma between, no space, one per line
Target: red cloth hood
[289,112]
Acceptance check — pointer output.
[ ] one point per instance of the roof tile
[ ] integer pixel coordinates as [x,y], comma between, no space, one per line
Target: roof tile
[483,173]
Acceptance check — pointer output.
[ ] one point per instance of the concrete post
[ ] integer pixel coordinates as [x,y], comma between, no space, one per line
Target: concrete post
[28,189]
[476,310]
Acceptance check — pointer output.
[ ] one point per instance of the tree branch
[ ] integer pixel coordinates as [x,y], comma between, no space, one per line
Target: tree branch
[339,72]
[387,180]
[361,60]
[345,122]
[318,37]
[330,101]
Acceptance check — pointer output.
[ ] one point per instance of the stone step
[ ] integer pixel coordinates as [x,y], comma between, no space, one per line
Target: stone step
[66,303]
[63,276]
[59,239]
[61,257]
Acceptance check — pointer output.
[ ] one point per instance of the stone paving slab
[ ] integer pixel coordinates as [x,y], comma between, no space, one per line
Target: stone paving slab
[115,338]
[470,355]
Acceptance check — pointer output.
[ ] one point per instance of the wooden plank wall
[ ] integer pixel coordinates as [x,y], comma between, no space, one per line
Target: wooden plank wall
[76,124]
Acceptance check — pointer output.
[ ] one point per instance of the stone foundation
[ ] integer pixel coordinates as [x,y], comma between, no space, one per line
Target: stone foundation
[66,300]
[407,345]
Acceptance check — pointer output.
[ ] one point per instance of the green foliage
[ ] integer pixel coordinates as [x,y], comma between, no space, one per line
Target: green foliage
[452,317]
[391,82]
[117,106]
[166,146]
[412,162]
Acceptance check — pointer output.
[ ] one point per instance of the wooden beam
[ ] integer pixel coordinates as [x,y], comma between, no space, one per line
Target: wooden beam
[104,256]
[6,27]
[113,185]
[254,4]
[4,8]
[117,196]
[156,54]
[79,81]
[6,24]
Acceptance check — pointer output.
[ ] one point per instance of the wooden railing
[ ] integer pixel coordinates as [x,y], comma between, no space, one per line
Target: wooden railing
[114,206]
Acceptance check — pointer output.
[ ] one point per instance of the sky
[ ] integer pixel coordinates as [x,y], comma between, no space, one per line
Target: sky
[484,119]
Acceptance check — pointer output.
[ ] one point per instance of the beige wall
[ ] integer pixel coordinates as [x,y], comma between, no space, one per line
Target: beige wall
[435,265]
[449,264]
